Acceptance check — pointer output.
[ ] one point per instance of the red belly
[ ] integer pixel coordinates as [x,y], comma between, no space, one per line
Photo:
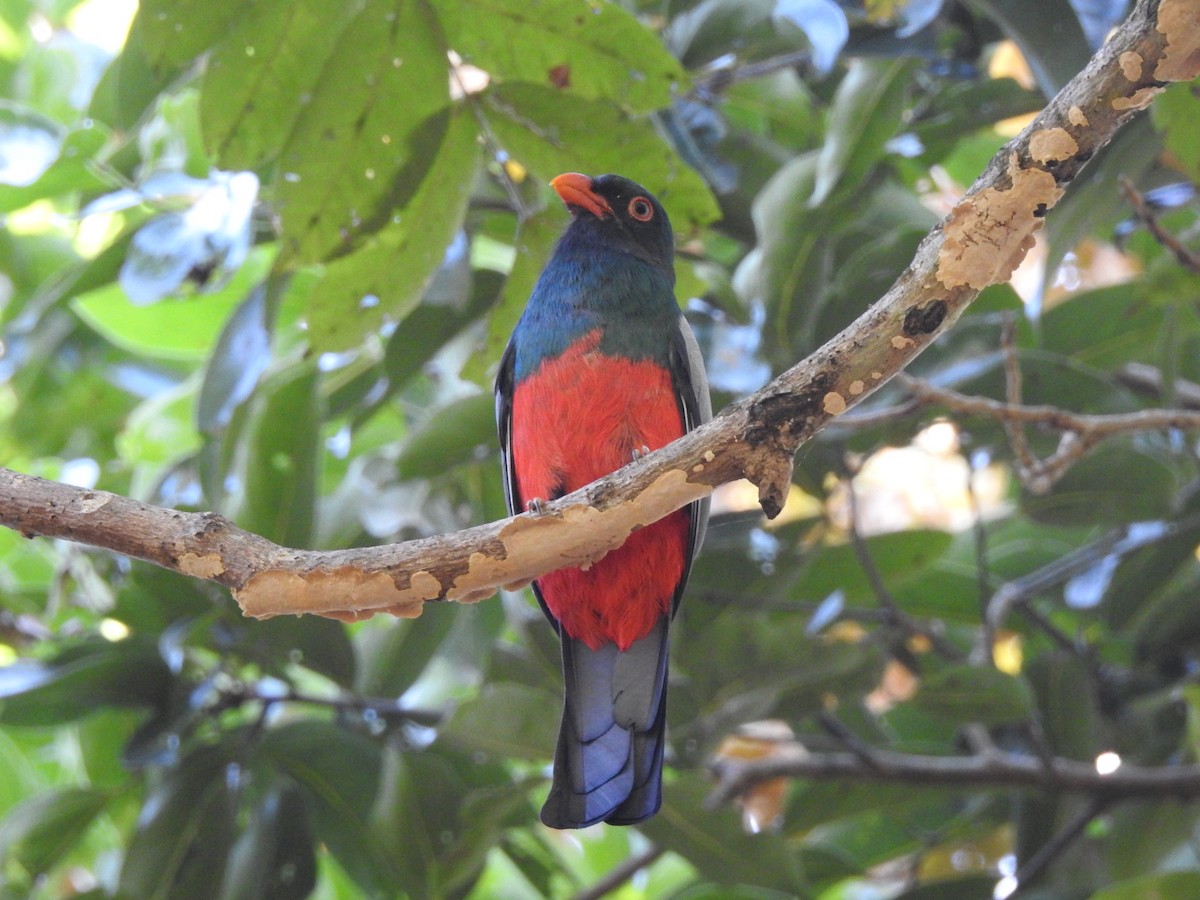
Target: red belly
[579,417]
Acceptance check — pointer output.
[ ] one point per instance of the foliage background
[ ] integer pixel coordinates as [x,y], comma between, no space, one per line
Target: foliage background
[308,350]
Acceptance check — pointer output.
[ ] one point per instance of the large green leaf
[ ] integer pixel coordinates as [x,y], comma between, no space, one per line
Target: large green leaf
[1182,885]
[975,694]
[279,461]
[338,772]
[178,30]
[384,278]
[451,436]
[714,842]
[506,720]
[367,134]
[868,109]
[1049,35]
[593,52]
[82,678]
[37,833]
[182,330]
[274,857]
[186,829]
[1177,114]
[261,78]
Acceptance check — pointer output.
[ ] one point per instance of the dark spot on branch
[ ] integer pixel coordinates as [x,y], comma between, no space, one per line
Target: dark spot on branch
[925,319]
[780,418]
[1039,211]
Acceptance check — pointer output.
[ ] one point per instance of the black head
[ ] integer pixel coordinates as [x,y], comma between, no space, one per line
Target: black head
[620,213]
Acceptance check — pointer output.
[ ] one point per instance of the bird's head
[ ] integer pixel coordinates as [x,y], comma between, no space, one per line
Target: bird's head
[618,213]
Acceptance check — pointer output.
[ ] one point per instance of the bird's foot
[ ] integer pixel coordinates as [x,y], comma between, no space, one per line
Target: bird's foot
[536,506]
[639,452]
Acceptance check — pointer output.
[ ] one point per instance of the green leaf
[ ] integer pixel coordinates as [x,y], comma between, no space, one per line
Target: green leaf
[279,466]
[383,280]
[82,678]
[338,773]
[394,652]
[1176,113]
[975,694]
[176,31]
[319,644]
[261,77]
[1184,885]
[431,793]
[430,326]
[185,830]
[40,831]
[274,857]
[451,436]
[590,52]
[868,109]
[374,115]
[72,171]
[549,133]
[506,720]
[242,354]
[175,329]
[714,842]
[1089,493]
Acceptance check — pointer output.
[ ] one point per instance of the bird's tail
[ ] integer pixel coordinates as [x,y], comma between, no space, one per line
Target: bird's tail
[608,763]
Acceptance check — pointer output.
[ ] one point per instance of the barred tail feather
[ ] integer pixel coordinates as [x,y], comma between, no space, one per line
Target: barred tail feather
[608,763]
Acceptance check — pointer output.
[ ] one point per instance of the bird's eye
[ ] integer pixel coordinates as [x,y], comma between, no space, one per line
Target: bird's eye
[640,209]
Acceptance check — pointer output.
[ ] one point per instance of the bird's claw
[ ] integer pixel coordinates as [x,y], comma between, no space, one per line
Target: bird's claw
[639,452]
[536,506]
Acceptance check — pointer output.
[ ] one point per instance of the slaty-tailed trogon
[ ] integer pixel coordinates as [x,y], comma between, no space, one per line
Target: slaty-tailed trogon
[601,367]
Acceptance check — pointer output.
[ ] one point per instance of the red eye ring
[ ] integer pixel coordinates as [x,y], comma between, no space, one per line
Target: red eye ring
[641,209]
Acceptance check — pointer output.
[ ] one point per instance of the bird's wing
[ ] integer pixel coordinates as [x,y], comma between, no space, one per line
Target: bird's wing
[505,379]
[695,405]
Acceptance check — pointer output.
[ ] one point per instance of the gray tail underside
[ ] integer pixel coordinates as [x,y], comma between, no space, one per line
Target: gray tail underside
[608,763]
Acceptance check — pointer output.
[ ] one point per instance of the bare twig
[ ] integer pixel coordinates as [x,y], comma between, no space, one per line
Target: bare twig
[620,874]
[1081,432]
[1147,379]
[1186,258]
[1036,865]
[1028,465]
[993,770]
[896,617]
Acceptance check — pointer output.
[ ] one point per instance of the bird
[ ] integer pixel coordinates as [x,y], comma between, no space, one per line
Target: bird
[601,369]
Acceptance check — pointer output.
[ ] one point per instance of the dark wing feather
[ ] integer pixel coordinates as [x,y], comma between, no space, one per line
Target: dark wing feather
[695,406]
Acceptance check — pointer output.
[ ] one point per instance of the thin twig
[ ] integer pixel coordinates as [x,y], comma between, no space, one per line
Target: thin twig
[1037,864]
[1000,769]
[620,874]
[1186,258]
[1012,392]
[847,738]
[1081,431]
[721,78]
[897,617]
[982,654]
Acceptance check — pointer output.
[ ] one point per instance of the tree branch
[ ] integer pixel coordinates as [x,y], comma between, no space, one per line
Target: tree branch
[995,769]
[980,243]
[1081,432]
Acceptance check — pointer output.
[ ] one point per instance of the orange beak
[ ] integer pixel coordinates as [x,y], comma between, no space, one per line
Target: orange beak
[576,190]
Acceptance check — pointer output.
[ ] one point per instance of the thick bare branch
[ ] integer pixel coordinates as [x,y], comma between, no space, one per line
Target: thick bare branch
[980,243]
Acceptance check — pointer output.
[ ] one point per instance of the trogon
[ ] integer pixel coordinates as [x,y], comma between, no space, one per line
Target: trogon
[602,368]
